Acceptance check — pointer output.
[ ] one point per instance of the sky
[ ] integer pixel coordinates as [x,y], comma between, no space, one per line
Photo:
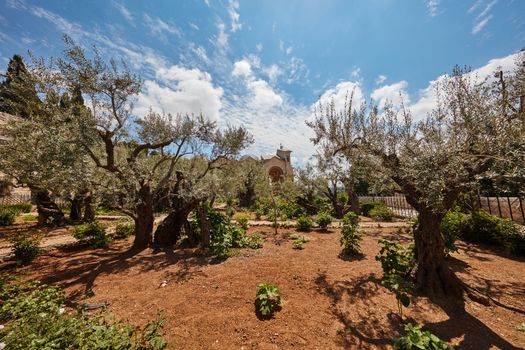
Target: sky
[264,64]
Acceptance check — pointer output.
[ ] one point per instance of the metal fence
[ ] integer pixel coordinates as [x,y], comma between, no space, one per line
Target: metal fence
[26,198]
[504,207]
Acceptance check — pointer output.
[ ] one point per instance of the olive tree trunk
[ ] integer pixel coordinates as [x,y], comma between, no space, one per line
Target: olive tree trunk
[144,219]
[170,229]
[75,213]
[433,275]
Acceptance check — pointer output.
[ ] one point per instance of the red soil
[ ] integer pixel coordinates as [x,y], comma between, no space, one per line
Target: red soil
[328,303]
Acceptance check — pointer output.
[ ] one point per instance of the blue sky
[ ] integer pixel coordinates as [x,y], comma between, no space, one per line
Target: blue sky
[263,64]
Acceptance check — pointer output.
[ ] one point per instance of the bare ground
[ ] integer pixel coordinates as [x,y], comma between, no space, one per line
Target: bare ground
[328,302]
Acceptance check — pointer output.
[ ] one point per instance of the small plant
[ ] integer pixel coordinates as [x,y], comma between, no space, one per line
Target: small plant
[452,226]
[30,218]
[93,234]
[26,250]
[242,219]
[298,242]
[304,223]
[258,214]
[323,220]
[381,213]
[34,318]
[7,217]
[230,211]
[415,339]
[397,263]
[350,235]
[254,241]
[17,208]
[521,327]
[123,231]
[267,299]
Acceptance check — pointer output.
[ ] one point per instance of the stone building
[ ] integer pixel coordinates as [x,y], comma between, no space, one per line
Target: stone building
[278,166]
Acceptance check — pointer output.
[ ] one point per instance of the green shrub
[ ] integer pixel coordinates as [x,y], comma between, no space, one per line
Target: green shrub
[258,214]
[481,227]
[93,234]
[267,299]
[230,211]
[397,263]
[242,219]
[17,208]
[223,234]
[288,210]
[367,206]
[30,218]
[304,223]
[350,235]
[34,319]
[323,220]
[123,231]
[381,213]
[7,217]
[416,339]
[298,242]
[452,226]
[254,241]
[26,250]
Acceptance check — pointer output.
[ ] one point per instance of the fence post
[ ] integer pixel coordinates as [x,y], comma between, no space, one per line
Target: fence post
[499,207]
[510,209]
[521,209]
[488,202]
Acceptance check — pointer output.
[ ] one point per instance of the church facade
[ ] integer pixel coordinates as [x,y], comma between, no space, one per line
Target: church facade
[278,167]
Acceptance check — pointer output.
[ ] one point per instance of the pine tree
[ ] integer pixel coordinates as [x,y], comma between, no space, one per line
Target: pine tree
[18,94]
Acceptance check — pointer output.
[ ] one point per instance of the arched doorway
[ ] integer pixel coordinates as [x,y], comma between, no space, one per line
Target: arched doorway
[276,174]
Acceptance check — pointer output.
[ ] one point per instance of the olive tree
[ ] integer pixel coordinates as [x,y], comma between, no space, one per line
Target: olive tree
[432,160]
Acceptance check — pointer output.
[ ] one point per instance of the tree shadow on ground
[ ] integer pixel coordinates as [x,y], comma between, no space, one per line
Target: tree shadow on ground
[475,334]
[366,331]
[82,268]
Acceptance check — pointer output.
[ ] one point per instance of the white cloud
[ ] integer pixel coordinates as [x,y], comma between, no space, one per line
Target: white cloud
[236,25]
[487,9]
[394,93]
[242,68]
[259,47]
[356,72]
[207,2]
[159,27]
[263,98]
[273,72]
[193,25]
[124,11]
[380,79]
[221,41]
[182,91]
[341,94]
[479,25]
[432,7]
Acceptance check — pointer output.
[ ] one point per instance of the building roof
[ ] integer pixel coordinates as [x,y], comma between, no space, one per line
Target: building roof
[270,156]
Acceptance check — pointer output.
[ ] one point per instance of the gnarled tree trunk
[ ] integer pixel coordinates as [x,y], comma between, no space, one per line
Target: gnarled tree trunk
[75,212]
[144,219]
[204,225]
[170,229]
[47,209]
[89,211]
[353,202]
[433,276]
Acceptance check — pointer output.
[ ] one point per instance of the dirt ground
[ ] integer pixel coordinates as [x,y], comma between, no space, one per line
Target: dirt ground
[328,302]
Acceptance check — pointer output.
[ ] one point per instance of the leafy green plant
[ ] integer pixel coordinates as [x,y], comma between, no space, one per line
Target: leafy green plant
[7,217]
[367,206]
[242,219]
[521,327]
[18,208]
[350,235]
[123,231]
[35,318]
[223,234]
[26,249]
[452,226]
[267,299]
[323,220]
[93,234]
[30,218]
[304,223]
[381,213]
[415,339]
[230,211]
[397,263]
[254,241]
[299,242]
[258,214]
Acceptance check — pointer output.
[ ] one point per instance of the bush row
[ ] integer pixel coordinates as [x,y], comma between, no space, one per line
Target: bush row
[481,227]
[377,211]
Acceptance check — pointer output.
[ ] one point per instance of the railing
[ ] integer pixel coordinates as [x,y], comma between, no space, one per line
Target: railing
[26,198]
[504,207]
